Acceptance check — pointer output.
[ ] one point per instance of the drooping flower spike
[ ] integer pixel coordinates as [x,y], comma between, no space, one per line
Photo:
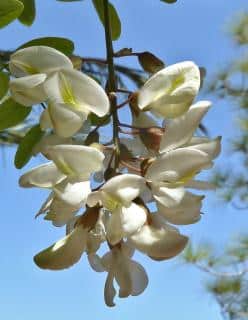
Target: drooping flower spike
[157,167]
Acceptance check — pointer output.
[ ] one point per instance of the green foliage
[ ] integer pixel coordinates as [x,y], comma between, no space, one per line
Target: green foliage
[115,22]
[63,45]
[12,113]
[25,148]
[28,14]
[4,84]
[225,285]
[9,11]
[193,255]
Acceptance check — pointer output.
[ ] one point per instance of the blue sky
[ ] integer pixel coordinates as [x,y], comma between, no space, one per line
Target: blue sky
[189,30]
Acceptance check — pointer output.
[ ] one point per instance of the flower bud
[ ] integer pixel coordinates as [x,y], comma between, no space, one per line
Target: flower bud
[151,137]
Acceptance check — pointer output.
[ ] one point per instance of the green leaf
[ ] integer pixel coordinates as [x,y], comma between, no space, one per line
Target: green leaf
[169,1]
[12,113]
[63,45]
[9,11]
[4,84]
[28,14]
[25,148]
[115,22]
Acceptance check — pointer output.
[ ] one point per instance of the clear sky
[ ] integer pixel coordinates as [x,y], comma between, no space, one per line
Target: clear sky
[188,30]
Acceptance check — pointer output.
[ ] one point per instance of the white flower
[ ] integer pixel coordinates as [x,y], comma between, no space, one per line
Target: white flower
[170,172]
[28,90]
[37,59]
[67,251]
[130,276]
[158,240]
[117,197]
[72,95]
[186,212]
[67,177]
[170,92]
[75,161]
[31,66]
[179,132]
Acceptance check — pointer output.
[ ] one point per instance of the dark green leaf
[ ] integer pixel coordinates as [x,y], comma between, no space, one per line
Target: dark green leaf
[28,14]
[24,151]
[12,113]
[4,84]
[63,45]
[169,1]
[9,11]
[113,15]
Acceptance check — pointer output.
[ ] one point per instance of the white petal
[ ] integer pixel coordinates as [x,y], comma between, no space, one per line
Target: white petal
[158,239]
[124,222]
[66,121]
[201,185]
[125,187]
[177,165]
[64,253]
[180,130]
[49,140]
[28,90]
[109,291]
[171,90]
[44,176]
[169,197]
[45,120]
[77,89]
[95,262]
[77,162]
[122,273]
[74,194]
[211,147]
[139,278]
[186,212]
[37,59]
[60,213]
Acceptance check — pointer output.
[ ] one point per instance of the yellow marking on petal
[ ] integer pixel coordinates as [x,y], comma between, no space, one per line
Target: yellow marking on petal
[182,181]
[64,167]
[67,92]
[179,80]
[109,202]
[26,67]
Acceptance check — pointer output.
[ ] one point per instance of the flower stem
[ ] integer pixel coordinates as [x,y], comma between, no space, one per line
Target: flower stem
[111,87]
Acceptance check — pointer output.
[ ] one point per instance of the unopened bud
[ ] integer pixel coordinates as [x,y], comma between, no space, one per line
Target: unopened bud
[151,137]
[77,62]
[145,164]
[133,103]
[149,62]
[89,218]
[97,146]
[93,137]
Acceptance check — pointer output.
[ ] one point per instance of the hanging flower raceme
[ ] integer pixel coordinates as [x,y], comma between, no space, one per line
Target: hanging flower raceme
[152,169]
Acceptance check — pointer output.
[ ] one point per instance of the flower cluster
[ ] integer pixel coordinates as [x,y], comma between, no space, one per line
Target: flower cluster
[127,194]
